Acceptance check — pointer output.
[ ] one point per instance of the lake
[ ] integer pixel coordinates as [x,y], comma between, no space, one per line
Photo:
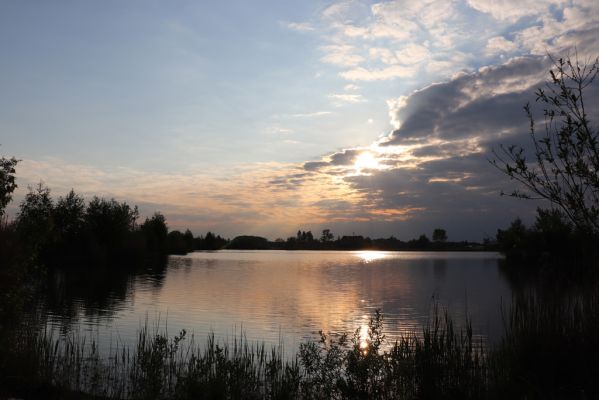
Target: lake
[280,296]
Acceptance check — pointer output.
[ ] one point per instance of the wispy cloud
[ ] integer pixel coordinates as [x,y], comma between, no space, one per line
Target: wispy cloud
[341,54]
[311,114]
[367,74]
[299,26]
[348,98]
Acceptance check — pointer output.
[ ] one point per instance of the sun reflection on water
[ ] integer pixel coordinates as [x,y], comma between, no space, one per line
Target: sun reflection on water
[364,339]
[371,255]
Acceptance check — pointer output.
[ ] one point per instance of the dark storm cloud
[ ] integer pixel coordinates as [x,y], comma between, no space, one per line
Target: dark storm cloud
[487,102]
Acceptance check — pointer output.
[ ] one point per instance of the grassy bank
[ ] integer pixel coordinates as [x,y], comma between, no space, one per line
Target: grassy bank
[549,350]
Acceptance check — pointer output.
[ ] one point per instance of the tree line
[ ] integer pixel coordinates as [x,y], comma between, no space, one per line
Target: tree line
[68,231]
[306,240]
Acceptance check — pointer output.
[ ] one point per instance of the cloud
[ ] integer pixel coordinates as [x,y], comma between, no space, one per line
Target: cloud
[299,26]
[432,39]
[470,105]
[513,10]
[342,158]
[348,98]
[365,74]
[311,114]
[500,45]
[341,54]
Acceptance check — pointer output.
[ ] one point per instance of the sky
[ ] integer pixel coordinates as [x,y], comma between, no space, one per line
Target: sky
[265,117]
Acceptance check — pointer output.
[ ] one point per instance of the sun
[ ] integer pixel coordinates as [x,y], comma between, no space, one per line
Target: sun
[366,160]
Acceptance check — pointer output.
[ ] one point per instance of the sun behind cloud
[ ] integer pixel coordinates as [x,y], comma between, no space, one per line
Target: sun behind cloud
[366,160]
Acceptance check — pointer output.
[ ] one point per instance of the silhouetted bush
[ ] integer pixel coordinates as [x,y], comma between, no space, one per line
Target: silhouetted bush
[248,242]
[552,242]
[209,242]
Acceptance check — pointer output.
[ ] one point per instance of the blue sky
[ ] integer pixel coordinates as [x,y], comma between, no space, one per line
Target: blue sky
[267,117]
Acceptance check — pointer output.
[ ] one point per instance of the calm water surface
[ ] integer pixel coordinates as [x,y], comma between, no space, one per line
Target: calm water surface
[275,296]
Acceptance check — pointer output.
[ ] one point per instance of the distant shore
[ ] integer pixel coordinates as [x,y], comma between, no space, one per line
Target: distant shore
[356,243]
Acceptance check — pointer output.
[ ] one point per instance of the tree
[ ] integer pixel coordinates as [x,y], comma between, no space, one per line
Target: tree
[69,216]
[35,219]
[110,222]
[512,241]
[326,236]
[155,231]
[439,235]
[188,237]
[565,166]
[422,241]
[7,181]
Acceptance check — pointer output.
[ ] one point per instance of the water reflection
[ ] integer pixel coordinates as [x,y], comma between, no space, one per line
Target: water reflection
[364,337]
[94,296]
[371,255]
[289,296]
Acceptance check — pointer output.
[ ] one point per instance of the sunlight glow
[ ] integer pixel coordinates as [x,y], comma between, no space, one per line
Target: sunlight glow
[366,160]
[364,338]
[371,255]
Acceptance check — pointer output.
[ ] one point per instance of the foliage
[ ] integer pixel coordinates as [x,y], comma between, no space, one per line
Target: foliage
[104,231]
[248,242]
[566,154]
[35,220]
[552,241]
[7,181]
[549,347]
[69,216]
[109,221]
[155,230]
[326,236]
[439,235]
[436,364]
[210,242]
[15,272]
[180,243]
[548,350]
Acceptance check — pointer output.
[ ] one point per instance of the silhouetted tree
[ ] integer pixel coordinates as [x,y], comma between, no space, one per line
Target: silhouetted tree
[69,216]
[7,181]
[566,154]
[176,243]
[439,235]
[109,224]
[249,242]
[326,236]
[35,220]
[155,231]
[422,241]
[188,238]
[210,241]
[513,241]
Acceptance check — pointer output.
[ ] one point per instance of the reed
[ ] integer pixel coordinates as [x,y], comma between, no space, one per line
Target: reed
[548,351]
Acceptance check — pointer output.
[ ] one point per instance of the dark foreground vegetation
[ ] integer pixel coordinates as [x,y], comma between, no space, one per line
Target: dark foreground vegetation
[560,166]
[549,351]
